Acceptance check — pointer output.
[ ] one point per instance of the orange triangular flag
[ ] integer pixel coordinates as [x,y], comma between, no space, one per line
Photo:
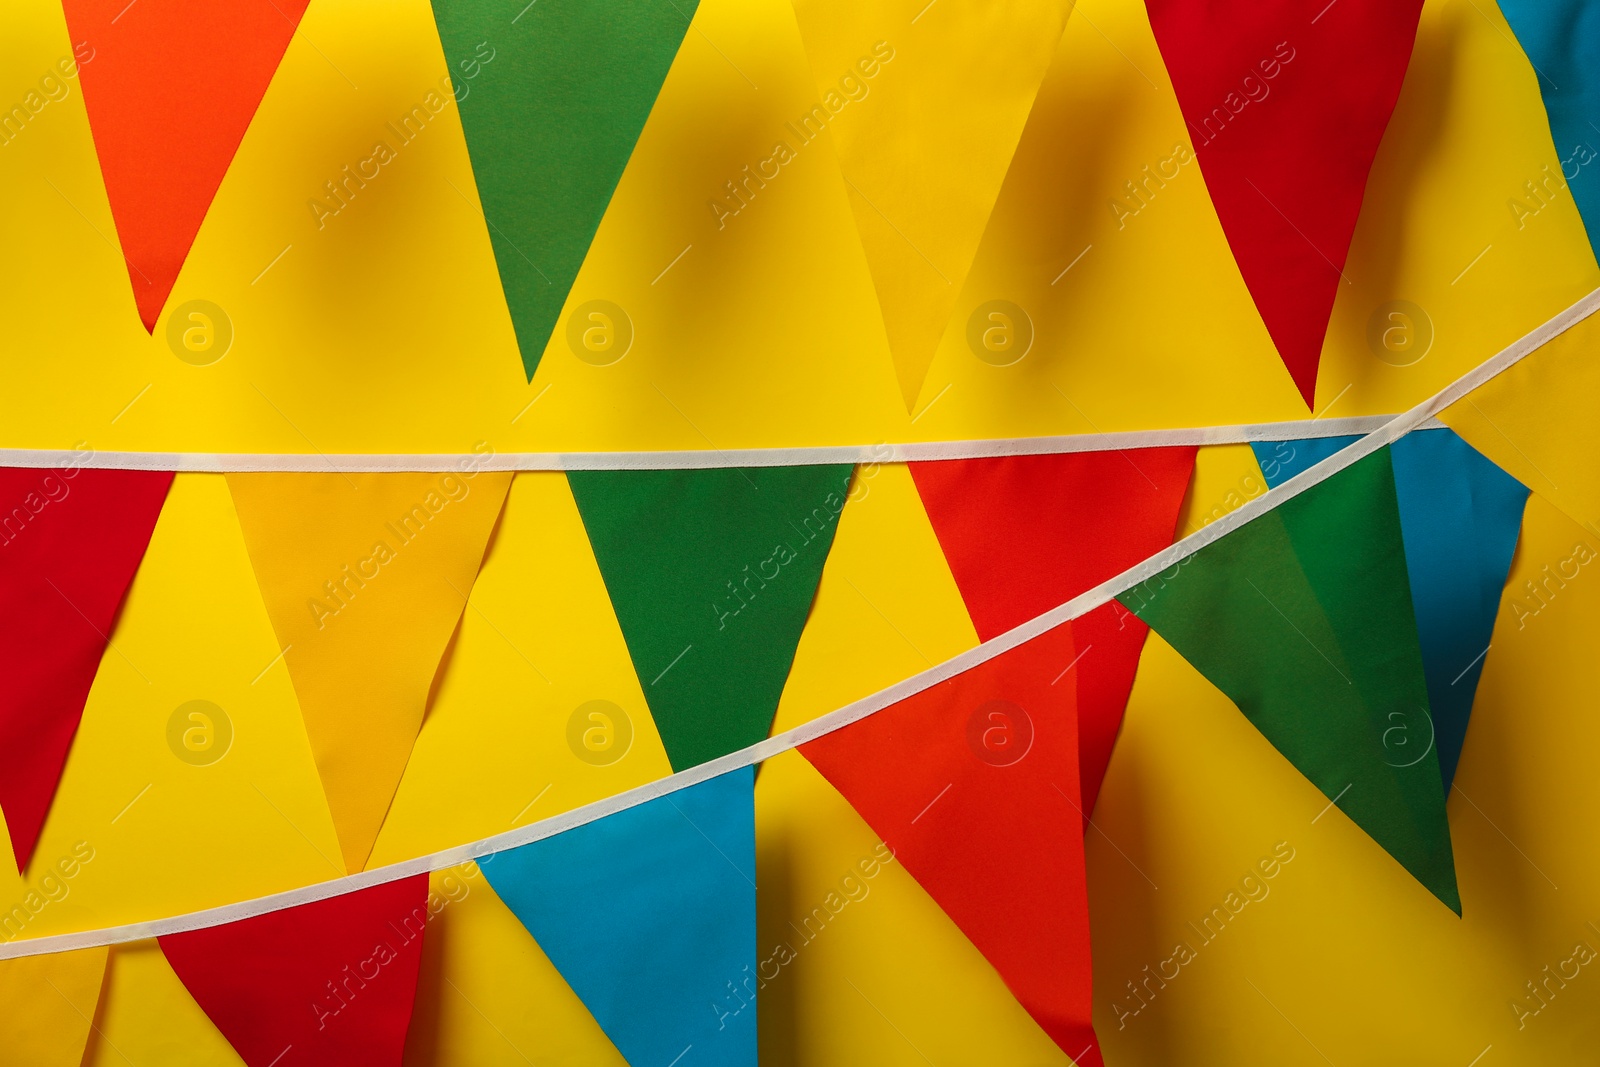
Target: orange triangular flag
[973,784]
[365,577]
[170,89]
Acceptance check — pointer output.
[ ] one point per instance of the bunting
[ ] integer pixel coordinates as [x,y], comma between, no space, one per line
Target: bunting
[325,984]
[1024,533]
[1459,519]
[667,964]
[1286,105]
[170,92]
[1303,618]
[365,577]
[973,784]
[263,681]
[1562,41]
[712,573]
[550,130]
[70,542]
[925,106]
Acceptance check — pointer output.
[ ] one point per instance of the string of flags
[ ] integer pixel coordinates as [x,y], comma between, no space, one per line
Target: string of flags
[550,133]
[1349,622]
[1281,606]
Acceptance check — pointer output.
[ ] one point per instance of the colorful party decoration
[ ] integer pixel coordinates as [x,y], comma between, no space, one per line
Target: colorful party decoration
[973,784]
[925,112]
[369,569]
[320,985]
[712,573]
[1459,518]
[771,237]
[1562,40]
[70,542]
[1303,618]
[170,92]
[1023,534]
[1286,106]
[650,916]
[550,127]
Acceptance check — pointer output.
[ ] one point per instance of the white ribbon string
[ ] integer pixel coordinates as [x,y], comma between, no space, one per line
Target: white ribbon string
[686,459]
[1388,432]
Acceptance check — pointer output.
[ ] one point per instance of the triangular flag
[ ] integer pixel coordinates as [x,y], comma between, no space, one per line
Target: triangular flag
[170,93]
[1303,618]
[1460,516]
[365,577]
[1286,104]
[925,121]
[973,785]
[69,546]
[325,984]
[1562,42]
[711,574]
[550,128]
[669,971]
[49,1006]
[1023,534]
[1535,420]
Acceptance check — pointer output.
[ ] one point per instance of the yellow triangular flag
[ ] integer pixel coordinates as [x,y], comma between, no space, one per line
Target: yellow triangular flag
[365,577]
[50,1001]
[190,783]
[1536,421]
[926,103]
[480,971]
[528,679]
[147,1015]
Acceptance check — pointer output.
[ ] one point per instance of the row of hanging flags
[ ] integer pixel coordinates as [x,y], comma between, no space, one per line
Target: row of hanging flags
[550,134]
[1348,624]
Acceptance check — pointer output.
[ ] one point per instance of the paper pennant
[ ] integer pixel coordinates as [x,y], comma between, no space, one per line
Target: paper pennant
[1286,106]
[1303,618]
[49,1006]
[650,915]
[925,111]
[321,985]
[973,785]
[1460,516]
[551,131]
[711,573]
[1562,41]
[364,578]
[1023,534]
[70,542]
[170,92]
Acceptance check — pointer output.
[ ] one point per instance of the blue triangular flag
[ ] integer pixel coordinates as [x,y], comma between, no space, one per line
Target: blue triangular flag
[1459,517]
[1562,41]
[650,916]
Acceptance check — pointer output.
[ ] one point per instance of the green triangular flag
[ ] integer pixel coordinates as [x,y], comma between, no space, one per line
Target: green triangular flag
[711,574]
[1303,618]
[552,100]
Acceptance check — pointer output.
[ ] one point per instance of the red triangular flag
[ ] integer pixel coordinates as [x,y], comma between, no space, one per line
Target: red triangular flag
[171,88]
[1286,102]
[1023,534]
[70,542]
[973,785]
[326,984]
